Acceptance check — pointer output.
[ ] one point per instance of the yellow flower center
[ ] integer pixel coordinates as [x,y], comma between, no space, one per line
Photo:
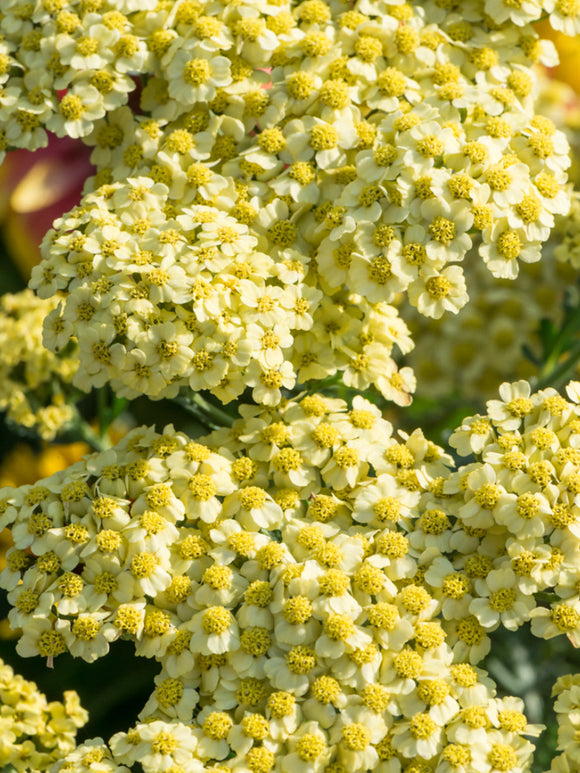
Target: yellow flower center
[301,660]
[338,627]
[414,598]
[356,736]
[429,635]
[502,600]
[512,721]
[217,725]
[255,641]
[259,594]
[376,697]
[85,628]
[434,522]
[260,760]
[565,618]
[464,674]
[470,631]
[325,689]
[383,615]
[255,726]
[164,743]
[422,726]
[392,82]
[196,72]
[509,245]
[216,620]
[251,691]
[442,230]
[71,107]
[408,664]
[455,585]
[456,755]
[430,146]
[323,137]
[310,746]
[297,610]
[281,704]
[169,692]
[487,495]
[502,757]
[51,644]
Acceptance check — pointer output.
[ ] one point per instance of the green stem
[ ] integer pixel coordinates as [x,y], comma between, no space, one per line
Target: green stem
[86,433]
[557,375]
[118,407]
[223,417]
[109,408]
[571,325]
[209,414]
[102,411]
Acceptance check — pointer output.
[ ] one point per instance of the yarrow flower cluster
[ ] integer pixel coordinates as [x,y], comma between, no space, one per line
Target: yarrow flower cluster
[567,693]
[35,733]
[568,231]
[193,304]
[519,496]
[314,592]
[34,382]
[493,336]
[360,150]
[496,336]
[274,182]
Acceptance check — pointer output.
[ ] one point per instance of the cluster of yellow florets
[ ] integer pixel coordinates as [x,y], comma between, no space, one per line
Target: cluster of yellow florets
[519,498]
[290,168]
[564,15]
[567,693]
[496,335]
[317,591]
[195,303]
[35,733]
[34,382]
[568,233]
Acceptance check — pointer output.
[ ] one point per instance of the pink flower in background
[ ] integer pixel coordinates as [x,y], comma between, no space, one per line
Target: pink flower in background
[36,188]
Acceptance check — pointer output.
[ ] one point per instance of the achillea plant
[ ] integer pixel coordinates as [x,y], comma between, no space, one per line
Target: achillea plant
[312,592]
[316,590]
[35,733]
[290,169]
[35,384]
[275,183]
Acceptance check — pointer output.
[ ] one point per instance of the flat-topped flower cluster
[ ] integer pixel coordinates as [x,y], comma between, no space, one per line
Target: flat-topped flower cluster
[496,336]
[521,495]
[567,693]
[272,178]
[194,303]
[35,733]
[35,383]
[317,591]
[271,175]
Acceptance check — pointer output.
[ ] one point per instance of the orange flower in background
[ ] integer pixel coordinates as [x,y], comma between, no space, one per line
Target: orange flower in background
[22,465]
[568,48]
[36,188]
